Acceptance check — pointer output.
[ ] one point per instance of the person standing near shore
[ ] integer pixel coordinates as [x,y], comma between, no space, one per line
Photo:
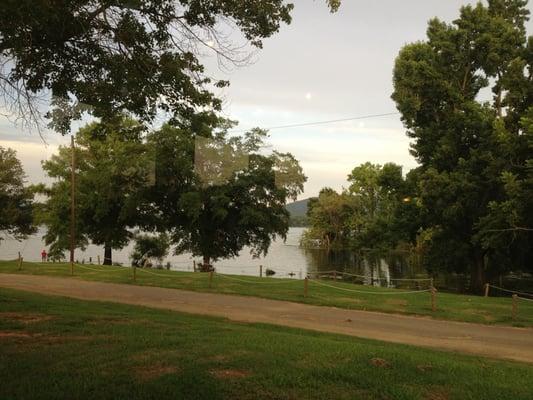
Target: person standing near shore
[44,255]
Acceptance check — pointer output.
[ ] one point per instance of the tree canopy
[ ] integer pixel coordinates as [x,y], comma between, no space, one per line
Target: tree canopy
[113,171]
[16,208]
[221,194]
[135,56]
[474,150]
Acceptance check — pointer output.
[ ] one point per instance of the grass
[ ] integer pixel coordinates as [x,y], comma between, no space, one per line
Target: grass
[492,310]
[58,348]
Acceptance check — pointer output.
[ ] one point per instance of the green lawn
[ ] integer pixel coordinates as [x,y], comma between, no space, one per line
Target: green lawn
[58,348]
[449,306]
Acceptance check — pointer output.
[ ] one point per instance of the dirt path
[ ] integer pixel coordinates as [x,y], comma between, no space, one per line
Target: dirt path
[491,341]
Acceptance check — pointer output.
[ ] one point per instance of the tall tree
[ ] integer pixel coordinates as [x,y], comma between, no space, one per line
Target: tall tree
[219,194]
[107,57]
[113,172]
[467,147]
[16,199]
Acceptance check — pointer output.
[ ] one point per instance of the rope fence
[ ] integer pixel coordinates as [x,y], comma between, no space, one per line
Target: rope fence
[368,291]
[516,296]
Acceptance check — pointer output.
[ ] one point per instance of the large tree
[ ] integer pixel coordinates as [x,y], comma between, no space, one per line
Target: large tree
[217,195]
[16,199]
[114,169]
[471,145]
[137,56]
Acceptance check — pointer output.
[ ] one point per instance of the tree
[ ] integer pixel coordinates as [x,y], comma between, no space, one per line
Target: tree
[16,209]
[329,216]
[468,147]
[217,195]
[133,56]
[114,169]
[150,247]
[377,192]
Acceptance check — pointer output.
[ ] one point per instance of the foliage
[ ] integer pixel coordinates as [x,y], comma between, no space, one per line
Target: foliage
[371,213]
[113,170]
[150,247]
[473,154]
[16,199]
[328,216]
[133,56]
[217,195]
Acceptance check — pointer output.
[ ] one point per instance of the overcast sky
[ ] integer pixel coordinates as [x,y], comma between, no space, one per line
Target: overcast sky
[321,67]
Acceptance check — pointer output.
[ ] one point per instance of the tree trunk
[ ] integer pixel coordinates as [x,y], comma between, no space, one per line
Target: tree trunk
[107,255]
[206,265]
[477,273]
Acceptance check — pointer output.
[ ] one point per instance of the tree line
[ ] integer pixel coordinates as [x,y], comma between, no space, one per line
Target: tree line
[465,96]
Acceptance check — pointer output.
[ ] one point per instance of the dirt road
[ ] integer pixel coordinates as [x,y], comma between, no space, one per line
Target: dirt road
[491,341]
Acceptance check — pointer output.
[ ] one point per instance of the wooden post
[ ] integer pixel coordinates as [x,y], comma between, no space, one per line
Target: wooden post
[334,275]
[306,286]
[72,202]
[260,271]
[134,273]
[98,259]
[194,265]
[487,287]
[210,279]
[20,262]
[515,306]
[433,299]
[431,282]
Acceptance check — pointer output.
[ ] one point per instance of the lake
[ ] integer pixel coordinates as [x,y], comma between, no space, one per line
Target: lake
[287,259]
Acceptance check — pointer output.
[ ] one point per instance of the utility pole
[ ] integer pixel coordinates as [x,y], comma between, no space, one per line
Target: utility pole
[72,204]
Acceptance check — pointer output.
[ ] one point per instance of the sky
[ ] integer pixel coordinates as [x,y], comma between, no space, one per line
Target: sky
[321,67]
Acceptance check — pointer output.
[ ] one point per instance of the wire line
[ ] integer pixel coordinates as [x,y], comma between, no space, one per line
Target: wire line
[332,121]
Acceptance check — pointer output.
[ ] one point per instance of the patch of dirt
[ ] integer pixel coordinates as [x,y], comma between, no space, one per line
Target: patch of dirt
[229,373]
[380,362]
[350,300]
[25,318]
[16,335]
[437,394]
[147,373]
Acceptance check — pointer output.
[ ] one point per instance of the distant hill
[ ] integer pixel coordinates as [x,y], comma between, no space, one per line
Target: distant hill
[298,208]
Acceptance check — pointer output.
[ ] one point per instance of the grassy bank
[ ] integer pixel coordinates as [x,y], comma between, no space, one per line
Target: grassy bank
[57,348]
[449,306]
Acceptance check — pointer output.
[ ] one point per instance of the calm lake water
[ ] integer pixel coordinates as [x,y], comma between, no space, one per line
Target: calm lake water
[287,259]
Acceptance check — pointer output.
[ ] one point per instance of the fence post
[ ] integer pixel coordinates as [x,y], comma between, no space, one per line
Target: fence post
[487,287]
[515,306]
[210,279]
[260,271]
[194,265]
[20,262]
[334,275]
[306,286]
[431,282]
[98,259]
[134,273]
[433,299]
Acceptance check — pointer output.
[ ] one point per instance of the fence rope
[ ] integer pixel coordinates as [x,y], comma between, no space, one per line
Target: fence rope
[523,298]
[258,282]
[367,291]
[97,270]
[380,278]
[157,274]
[512,291]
